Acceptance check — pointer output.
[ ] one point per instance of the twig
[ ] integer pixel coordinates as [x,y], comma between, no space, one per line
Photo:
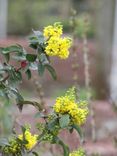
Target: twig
[88,81]
[33,103]
[74,50]
[40,92]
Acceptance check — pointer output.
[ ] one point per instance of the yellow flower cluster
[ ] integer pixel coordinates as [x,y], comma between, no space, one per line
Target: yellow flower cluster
[80,152]
[56,45]
[55,30]
[67,105]
[32,139]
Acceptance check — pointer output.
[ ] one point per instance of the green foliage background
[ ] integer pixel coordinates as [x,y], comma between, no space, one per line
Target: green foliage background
[24,15]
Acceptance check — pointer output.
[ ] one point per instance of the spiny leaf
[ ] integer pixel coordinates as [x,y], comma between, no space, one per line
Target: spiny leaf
[52,71]
[40,36]
[3,141]
[35,153]
[28,73]
[51,124]
[2,86]
[31,57]
[43,59]
[7,57]
[64,121]
[39,115]
[78,129]
[65,147]
[41,69]
[18,75]
[19,98]
[12,48]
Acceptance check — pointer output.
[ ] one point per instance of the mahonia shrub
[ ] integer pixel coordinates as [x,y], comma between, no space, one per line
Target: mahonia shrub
[67,112]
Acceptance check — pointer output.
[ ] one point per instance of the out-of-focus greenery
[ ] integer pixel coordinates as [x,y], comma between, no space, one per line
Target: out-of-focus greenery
[59,91]
[82,26]
[25,15]
[6,116]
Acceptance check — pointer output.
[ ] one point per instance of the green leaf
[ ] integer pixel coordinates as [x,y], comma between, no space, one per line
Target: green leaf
[40,49]
[2,86]
[70,129]
[52,71]
[35,153]
[37,33]
[41,69]
[1,48]
[12,48]
[78,129]
[51,124]
[34,46]
[7,57]
[28,73]
[39,115]
[65,147]
[25,141]
[36,40]
[18,75]
[64,121]
[3,141]
[33,39]
[19,98]
[40,36]
[19,57]
[31,57]
[43,59]
[33,66]
[23,131]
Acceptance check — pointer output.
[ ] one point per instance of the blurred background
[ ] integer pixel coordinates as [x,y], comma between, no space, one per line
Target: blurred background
[18,18]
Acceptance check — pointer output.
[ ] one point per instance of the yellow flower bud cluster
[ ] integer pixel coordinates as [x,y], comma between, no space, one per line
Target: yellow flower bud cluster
[67,105]
[40,126]
[56,45]
[32,139]
[13,148]
[56,130]
[79,152]
[48,137]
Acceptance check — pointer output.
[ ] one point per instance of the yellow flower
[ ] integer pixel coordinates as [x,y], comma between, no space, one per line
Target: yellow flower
[64,105]
[67,105]
[79,115]
[55,44]
[53,30]
[79,152]
[32,139]
[58,47]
